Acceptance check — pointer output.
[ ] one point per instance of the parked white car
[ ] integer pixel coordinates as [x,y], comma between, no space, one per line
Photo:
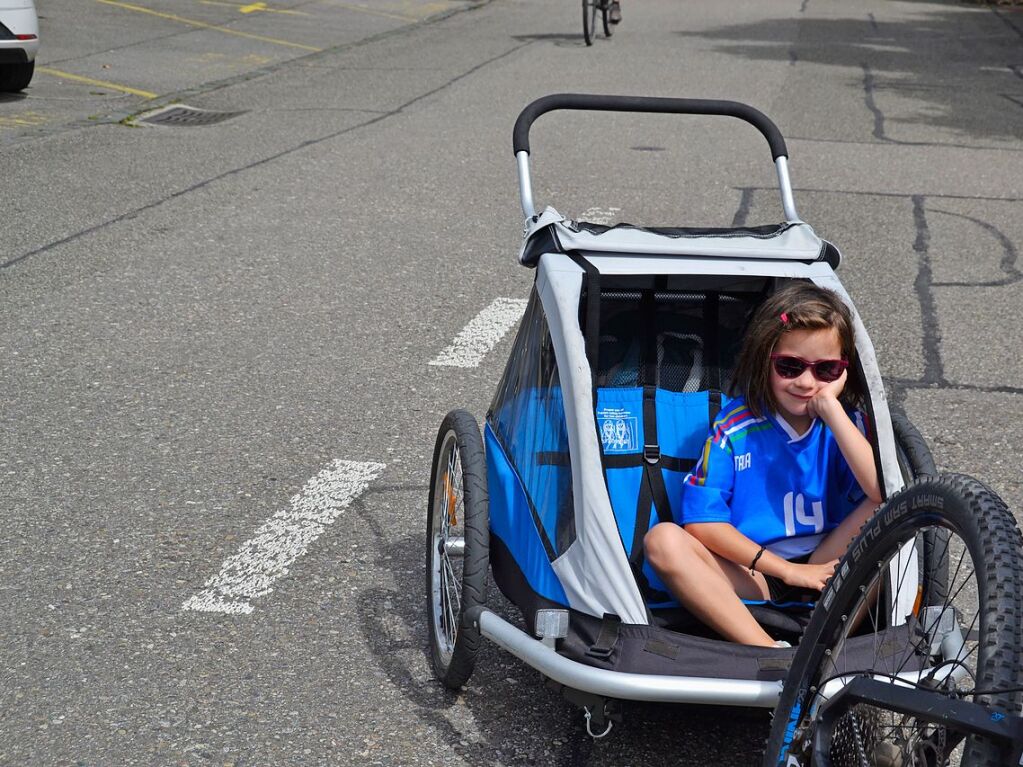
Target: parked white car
[19,43]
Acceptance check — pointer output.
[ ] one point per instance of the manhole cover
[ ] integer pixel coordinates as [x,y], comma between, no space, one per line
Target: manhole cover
[182,116]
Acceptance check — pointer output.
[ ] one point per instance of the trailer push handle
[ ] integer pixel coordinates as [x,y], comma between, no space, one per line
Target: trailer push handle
[598,103]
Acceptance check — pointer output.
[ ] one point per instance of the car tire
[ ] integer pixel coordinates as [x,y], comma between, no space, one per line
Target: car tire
[16,77]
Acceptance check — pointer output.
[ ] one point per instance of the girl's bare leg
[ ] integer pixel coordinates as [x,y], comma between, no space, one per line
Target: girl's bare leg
[708,586]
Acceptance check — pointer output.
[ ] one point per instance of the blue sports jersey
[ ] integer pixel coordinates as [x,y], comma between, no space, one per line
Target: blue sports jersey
[782,490]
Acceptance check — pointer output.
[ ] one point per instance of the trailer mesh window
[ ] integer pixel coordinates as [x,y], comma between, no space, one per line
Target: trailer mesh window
[682,341]
[528,418]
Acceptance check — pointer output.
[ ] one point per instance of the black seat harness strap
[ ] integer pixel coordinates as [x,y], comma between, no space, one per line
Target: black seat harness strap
[653,495]
[632,460]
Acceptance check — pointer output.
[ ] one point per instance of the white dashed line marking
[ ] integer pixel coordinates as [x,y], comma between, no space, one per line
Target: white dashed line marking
[599,215]
[285,537]
[482,334]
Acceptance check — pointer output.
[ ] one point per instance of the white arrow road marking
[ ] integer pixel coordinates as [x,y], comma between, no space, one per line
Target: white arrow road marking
[482,333]
[284,537]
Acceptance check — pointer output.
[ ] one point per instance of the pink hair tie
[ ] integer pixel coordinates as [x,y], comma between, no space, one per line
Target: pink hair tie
[785,318]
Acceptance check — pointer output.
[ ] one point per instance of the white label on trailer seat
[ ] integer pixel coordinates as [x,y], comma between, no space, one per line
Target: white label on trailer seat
[482,334]
[285,537]
[619,430]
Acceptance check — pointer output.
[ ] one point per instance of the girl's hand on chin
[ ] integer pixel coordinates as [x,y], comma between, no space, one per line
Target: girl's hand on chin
[829,393]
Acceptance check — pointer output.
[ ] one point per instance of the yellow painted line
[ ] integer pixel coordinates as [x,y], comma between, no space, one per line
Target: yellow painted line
[99,83]
[204,25]
[253,7]
[264,8]
[25,120]
[249,60]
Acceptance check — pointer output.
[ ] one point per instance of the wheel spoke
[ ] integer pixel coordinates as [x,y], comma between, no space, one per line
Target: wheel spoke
[445,596]
[452,620]
[909,559]
[454,581]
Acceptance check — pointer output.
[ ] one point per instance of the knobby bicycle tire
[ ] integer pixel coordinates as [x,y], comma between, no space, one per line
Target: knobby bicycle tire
[990,536]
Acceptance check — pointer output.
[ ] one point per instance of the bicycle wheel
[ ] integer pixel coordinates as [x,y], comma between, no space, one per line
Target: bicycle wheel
[457,546]
[589,21]
[961,648]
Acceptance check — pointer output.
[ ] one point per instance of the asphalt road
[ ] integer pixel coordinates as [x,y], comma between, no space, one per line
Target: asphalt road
[202,327]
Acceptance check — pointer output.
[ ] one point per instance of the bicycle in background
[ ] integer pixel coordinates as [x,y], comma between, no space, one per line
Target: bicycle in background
[610,14]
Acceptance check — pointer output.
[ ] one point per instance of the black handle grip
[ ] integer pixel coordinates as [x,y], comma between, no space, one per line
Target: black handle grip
[593,102]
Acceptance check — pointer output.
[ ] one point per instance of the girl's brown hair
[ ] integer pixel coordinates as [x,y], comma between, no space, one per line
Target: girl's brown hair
[796,306]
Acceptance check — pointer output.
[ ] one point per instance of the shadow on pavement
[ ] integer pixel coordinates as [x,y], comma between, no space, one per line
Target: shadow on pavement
[961,66]
[560,40]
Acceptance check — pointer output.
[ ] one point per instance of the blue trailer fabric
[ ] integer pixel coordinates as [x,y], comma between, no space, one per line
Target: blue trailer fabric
[682,424]
[530,425]
[529,474]
[512,520]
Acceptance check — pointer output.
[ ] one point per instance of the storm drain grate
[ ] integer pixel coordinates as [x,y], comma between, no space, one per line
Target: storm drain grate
[181,116]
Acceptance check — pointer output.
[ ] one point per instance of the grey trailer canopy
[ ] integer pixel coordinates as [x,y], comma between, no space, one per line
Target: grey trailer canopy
[594,570]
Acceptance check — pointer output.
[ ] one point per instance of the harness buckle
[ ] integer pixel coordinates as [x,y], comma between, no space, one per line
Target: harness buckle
[652,453]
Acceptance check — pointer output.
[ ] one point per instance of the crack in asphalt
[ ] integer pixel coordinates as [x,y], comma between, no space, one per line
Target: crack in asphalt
[1007,264]
[868,97]
[934,369]
[870,87]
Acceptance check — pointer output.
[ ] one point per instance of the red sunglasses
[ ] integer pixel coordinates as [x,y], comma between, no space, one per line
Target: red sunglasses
[826,371]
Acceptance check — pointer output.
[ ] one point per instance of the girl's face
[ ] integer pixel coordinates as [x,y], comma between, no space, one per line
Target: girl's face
[793,394]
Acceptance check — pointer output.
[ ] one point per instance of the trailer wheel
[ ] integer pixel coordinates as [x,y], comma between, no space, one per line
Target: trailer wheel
[457,547]
[915,460]
[915,457]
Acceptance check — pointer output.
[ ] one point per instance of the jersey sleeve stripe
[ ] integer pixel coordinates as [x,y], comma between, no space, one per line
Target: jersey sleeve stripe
[698,476]
[742,425]
[723,425]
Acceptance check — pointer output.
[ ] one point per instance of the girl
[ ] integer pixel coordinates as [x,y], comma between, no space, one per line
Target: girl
[786,478]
